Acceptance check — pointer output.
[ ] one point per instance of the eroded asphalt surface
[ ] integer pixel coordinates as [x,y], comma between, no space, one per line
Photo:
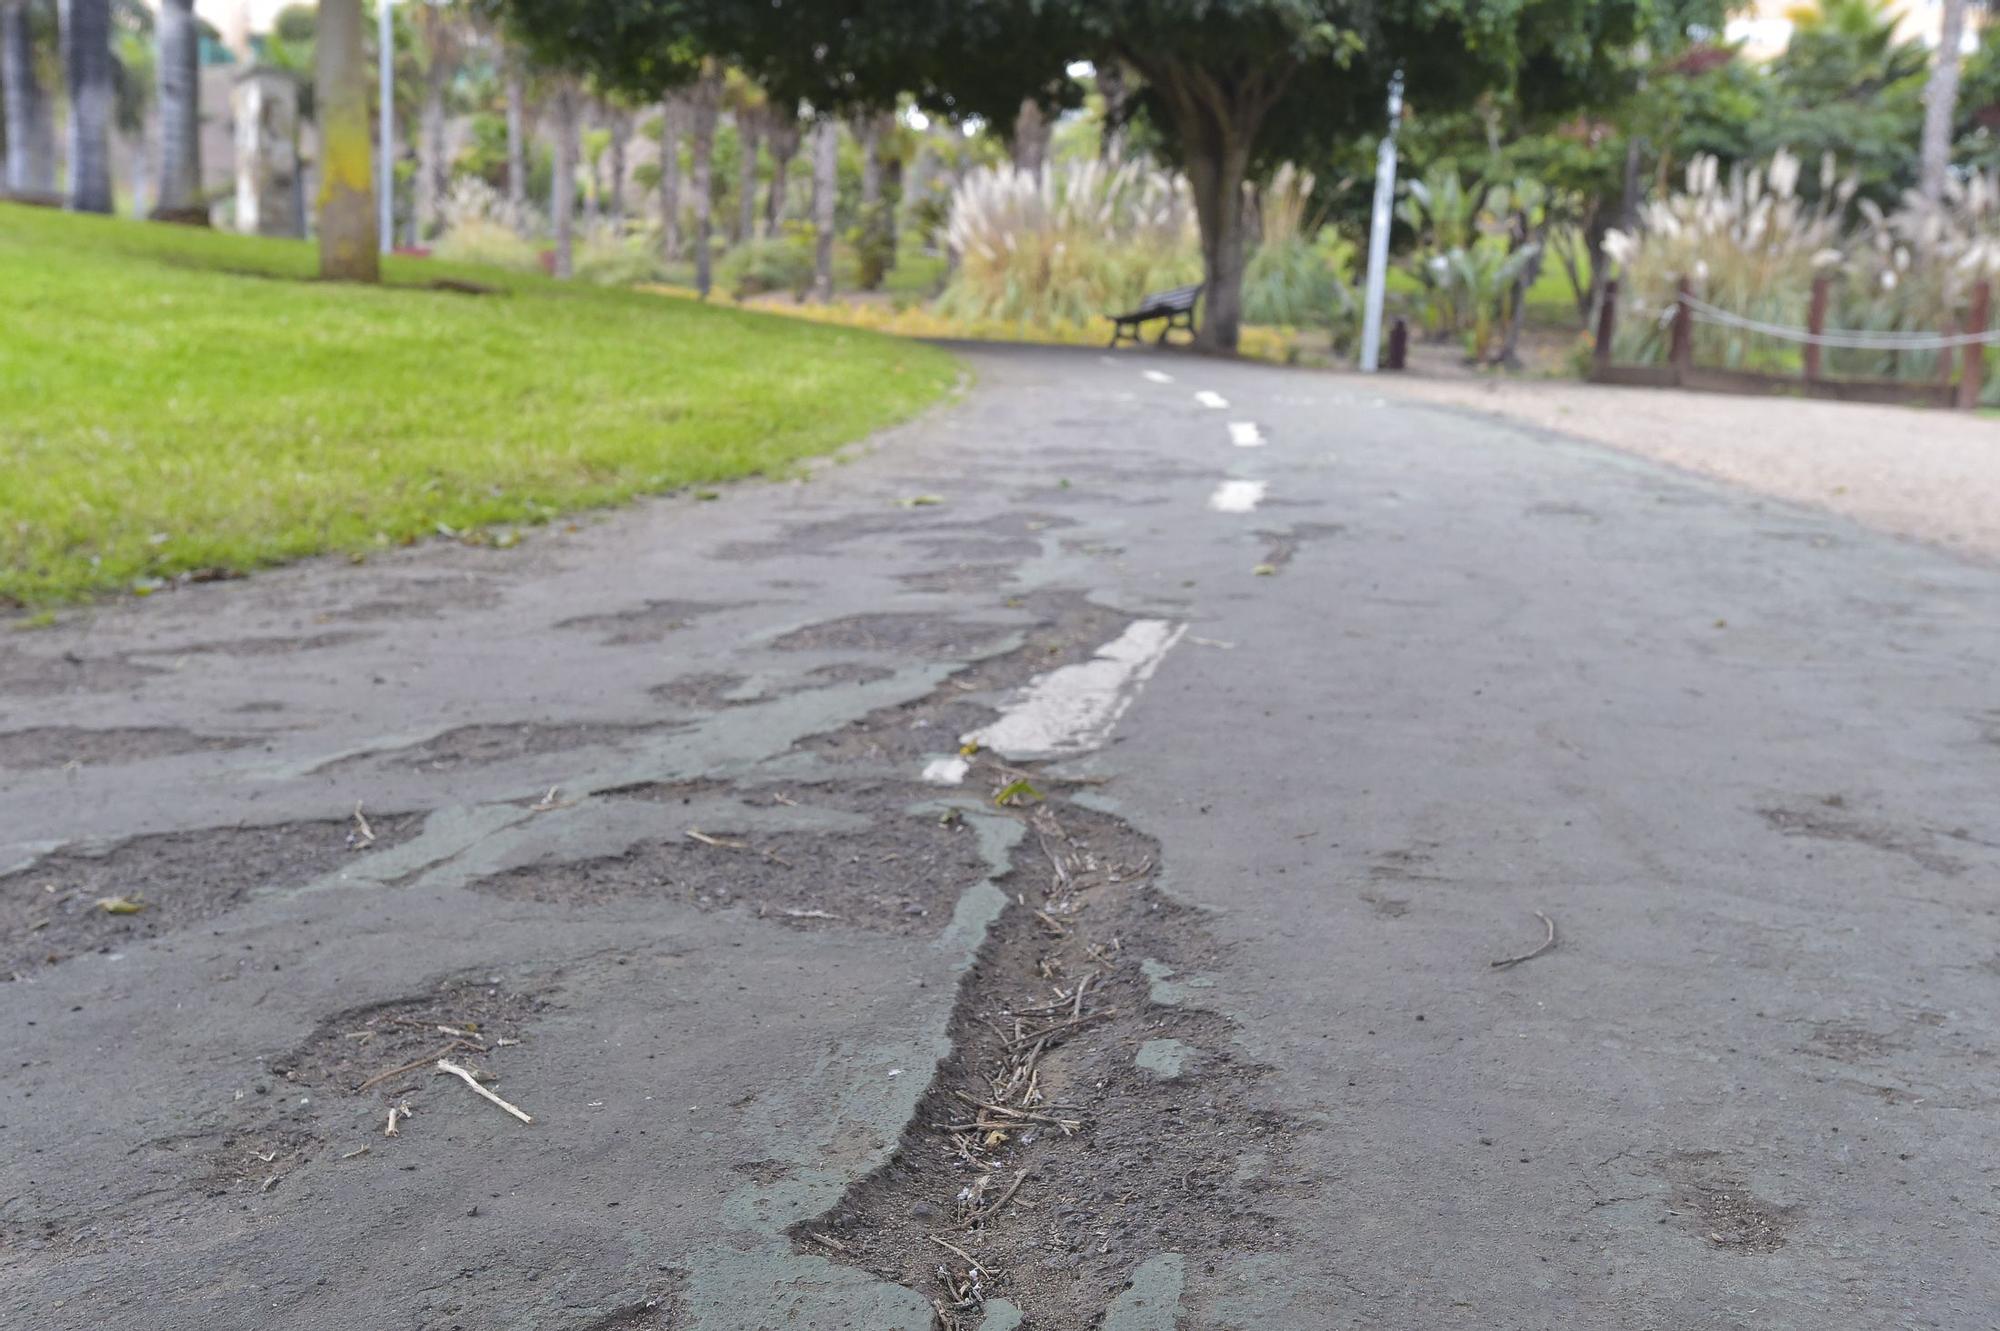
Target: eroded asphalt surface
[1226,994]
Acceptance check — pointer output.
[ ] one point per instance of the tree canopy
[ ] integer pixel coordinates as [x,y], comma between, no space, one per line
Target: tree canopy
[1231,85]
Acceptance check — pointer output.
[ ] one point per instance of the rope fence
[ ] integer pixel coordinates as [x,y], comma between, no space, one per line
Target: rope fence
[1957,381]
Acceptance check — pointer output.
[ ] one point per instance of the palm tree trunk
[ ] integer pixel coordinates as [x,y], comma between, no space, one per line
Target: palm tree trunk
[562,185]
[86,43]
[702,178]
[31,149]
[826,183]
[670,179]
[621,136]
[431,168]
[1031,136]
[784,140]
[746,176]
[1941,104]
[341,77]
[517,141]
[180,108]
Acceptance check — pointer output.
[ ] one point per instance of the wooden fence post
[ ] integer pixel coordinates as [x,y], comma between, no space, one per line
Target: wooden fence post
[1607,327]
[1971,381]
[1682,355]
[1816,325]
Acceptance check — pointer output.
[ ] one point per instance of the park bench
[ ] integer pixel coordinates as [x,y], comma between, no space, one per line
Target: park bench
[1176,307]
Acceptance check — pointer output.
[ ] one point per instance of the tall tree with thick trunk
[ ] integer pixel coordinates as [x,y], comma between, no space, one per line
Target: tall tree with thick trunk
[180,107]
[342,80]
[86,51]
[826,194]
[782,137]
[670,179]
[517,139]
[1941,103]
[562,183]
[31,147]
[705,101]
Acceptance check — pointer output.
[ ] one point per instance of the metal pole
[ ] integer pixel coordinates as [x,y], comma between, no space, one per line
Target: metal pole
[385,188]
[1378,231]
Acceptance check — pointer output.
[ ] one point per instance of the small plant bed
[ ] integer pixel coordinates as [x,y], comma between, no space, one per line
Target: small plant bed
[173,410]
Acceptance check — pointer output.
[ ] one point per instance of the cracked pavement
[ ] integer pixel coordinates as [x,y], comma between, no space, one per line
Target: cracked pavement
[1438,673]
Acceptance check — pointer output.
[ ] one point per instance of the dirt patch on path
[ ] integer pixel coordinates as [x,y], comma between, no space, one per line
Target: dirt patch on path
[59,746]
[54,909]
[1084,1120]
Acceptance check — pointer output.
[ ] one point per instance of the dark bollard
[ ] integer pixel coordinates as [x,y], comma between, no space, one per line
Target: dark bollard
[1399,345]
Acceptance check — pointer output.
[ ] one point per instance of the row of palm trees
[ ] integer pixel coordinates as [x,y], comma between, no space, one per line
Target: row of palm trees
[84,33]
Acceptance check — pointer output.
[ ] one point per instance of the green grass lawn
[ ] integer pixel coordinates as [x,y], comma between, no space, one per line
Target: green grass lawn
[176,400]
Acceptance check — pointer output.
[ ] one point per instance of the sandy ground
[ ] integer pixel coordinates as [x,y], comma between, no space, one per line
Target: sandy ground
[1930,475]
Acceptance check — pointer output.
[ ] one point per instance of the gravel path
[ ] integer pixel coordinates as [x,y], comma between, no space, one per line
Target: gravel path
[1931,475]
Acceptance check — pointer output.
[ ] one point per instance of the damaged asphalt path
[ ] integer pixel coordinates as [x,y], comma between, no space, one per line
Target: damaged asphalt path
[1047,871]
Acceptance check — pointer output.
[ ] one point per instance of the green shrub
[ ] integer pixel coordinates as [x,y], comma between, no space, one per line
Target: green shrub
[777,263]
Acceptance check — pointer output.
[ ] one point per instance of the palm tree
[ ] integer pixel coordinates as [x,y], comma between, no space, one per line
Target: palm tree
[781,134]
[746,105]
[562,185]
[619,123]
[705,97]
[517,139]
[347,234]
[440,48]
[1941,104]
[31,149]
[179,66]
[826,181]
[670,178]
[86,49]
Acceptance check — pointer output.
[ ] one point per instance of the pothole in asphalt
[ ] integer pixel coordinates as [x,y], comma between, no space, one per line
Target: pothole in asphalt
[59,746]
[649,622]
[928,637]
[413,598]
[479,745]
[268,646]
[1077,1127]
[1281,547]
[72,902]
[959,578]
[387,1048]
[1828,820]
[1713,1201]
[704,692]
[903,874]
[1068,628]
[25,674]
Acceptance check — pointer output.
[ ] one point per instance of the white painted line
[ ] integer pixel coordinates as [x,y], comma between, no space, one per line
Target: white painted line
[1072,709]
[945,771]
[1159,376]
[1210,398]
[1237,496]
[1245,434]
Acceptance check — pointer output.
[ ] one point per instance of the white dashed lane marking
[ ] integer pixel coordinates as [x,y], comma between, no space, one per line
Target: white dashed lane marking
[1245,434]
[1237,496]
[1210,398]
[1159,376]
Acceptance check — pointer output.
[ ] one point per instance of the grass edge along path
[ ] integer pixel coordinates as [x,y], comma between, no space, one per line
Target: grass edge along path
[178,401]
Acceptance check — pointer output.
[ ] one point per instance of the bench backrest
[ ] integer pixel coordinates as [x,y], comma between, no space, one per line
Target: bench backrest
[1180,298]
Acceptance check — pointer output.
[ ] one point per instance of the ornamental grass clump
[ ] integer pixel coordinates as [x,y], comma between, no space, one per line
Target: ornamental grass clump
[1749,243]
[1054,247]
